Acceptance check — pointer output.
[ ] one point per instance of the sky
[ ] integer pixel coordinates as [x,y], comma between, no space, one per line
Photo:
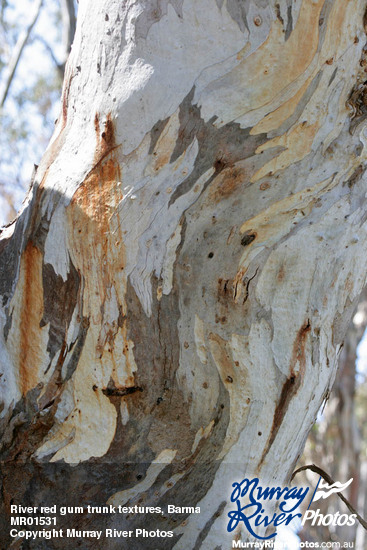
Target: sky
[19,114]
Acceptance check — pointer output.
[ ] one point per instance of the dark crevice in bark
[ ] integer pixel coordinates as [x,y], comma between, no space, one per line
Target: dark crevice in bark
[23,432]
[59,299]
[156,133]
[218,147]
[357,101]
[77,347]
[208,525]
[289,28]
[238,11]
[120,392]
[290,386]
[10,254]
[356,176]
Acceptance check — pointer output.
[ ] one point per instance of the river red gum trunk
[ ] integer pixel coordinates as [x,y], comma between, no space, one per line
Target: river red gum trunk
[176,289]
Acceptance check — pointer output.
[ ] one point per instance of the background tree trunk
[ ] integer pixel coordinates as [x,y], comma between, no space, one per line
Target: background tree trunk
[176,289]
[335,444]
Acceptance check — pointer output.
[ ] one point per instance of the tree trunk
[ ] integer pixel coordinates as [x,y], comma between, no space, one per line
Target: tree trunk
[176,289]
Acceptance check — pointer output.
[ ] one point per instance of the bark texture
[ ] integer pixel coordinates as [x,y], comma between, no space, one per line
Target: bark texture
[176,289]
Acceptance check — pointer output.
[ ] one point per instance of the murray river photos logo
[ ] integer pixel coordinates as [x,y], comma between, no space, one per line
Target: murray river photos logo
[250,501]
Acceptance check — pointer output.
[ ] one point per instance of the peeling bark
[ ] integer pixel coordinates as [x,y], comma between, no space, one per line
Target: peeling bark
[177,287]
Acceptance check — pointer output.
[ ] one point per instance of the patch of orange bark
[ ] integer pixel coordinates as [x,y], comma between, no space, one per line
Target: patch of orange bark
[31,290]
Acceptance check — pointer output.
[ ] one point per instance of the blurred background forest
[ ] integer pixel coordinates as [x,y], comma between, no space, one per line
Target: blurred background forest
[35,39]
